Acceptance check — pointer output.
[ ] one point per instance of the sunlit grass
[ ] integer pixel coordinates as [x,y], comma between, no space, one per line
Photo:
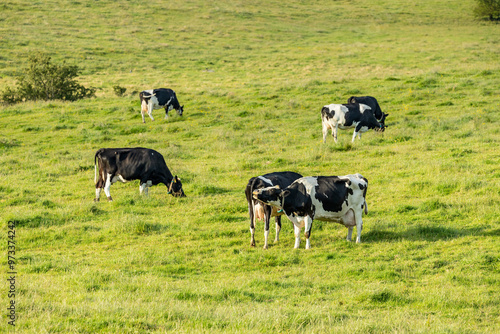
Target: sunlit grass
[253,77]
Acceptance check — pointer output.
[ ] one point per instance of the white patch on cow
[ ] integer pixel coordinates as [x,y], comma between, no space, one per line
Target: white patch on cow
[258,210]
[117,178]
[266,180]
[107,185]
[363,107]
[296,230]
[266,237]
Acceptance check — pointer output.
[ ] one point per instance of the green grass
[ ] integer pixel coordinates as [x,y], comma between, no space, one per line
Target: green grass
[253,77]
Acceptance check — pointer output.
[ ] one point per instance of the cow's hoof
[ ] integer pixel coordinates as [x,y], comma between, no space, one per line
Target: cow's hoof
[110,199]
[265,247]
[96,199]
[252,244]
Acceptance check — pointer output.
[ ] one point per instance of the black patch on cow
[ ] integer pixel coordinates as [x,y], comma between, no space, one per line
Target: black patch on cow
[326,112]
[332,192]
[372,103]
[297,201]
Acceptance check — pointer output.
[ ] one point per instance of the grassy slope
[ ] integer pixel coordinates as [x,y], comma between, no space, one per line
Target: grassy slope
[253,77]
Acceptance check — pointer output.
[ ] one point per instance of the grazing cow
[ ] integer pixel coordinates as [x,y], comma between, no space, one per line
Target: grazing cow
[259,210]
[371,102]
[127,164]
[157,99]
[339,199]
[345,116]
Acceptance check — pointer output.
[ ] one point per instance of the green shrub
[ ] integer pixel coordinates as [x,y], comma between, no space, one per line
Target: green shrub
[489,9]
[119,90]
[43,80]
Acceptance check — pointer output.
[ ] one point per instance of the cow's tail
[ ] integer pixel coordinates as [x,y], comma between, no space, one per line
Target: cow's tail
[97,156]
[149,96]
[364,195]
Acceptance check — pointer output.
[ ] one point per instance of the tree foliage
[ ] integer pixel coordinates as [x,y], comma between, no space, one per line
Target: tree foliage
[489,9]
[44,80]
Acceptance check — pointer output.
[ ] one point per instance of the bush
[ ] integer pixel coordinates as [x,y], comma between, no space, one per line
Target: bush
[43,80]
[489,9]
[119,91]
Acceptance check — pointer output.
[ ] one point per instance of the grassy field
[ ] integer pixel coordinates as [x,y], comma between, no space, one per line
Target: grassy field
[253,76]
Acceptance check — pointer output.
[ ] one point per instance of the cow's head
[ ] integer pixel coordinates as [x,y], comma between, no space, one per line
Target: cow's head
[175,188]
[382,126]
[180,110]
[269,195]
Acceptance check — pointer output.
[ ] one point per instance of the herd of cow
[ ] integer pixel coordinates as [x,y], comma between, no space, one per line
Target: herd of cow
[340,199]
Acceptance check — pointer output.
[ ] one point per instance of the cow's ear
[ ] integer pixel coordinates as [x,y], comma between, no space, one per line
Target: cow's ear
[285,193]
[386,115]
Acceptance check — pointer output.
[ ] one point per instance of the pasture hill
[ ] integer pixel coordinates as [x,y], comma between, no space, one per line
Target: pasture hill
[253,77]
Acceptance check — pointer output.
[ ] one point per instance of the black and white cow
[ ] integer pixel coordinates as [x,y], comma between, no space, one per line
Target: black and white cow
[345,116]
[339,199]
[259,210]
[157,99]
[127,164]
[371,102]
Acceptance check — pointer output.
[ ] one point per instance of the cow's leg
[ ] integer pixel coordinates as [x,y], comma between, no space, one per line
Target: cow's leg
[267,217]
[349,221]
[167,109]
[357,132]
[98,187]
[354,135]
[296,230]
[143,188]
[97,194]
[308,226]
[359,225]
[325,131]
[349,233]
[278,228]
[334,132]
[150,110]
[143,110]
[107,186]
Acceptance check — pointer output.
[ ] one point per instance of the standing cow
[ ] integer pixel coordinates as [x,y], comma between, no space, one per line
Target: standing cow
[339,199]
[259,210]
[345,116]
[157,99]
[371,102]
[127,164]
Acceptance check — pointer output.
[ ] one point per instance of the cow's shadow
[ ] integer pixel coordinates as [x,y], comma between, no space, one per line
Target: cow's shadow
[426,233]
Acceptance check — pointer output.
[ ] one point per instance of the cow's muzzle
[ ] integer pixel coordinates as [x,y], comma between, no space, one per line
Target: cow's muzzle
[255,194]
